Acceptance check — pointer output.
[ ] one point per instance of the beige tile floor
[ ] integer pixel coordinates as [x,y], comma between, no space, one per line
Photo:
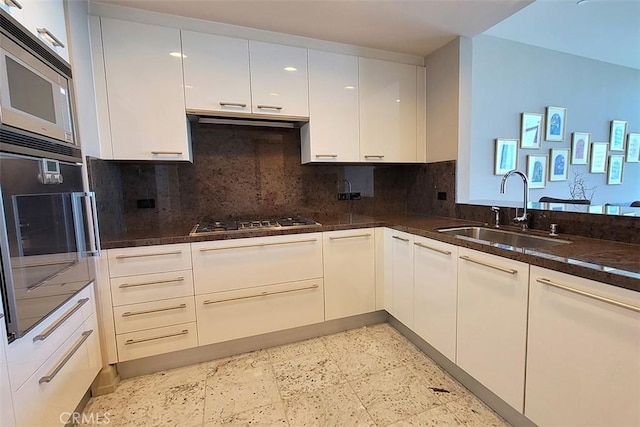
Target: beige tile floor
[370,376]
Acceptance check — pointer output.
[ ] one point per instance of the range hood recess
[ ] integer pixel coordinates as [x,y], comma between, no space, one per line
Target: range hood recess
[249,120]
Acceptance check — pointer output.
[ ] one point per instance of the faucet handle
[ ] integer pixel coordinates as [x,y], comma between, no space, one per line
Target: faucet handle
[495,208]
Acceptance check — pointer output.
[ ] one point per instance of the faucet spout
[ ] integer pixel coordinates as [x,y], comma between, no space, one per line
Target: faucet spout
[522,220]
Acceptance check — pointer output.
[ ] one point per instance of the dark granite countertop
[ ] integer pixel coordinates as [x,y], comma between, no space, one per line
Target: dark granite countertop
[605,261]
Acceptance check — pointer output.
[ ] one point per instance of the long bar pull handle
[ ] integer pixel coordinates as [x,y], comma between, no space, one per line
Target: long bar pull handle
[157,282]
[350,237]
[168,153]
[49,35]
[159,337]
[156,310]
[589,295]
[45,334]
[432,248]
[49,377]
[400,238]
[261,294]
[259,245]
[495,267]
[374,156]
[13,3]
[331,156]
[233,104]
[269,107]
[148,255]
[95,238]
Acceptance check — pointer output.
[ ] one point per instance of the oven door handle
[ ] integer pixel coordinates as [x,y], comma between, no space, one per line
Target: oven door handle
[91,213]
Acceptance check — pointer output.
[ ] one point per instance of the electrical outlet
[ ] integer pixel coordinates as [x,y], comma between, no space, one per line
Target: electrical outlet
[354,196]
[146,203]
[442,195]
[343,196]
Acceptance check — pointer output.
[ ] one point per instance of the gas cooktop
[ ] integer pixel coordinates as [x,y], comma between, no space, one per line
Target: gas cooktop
[212,226]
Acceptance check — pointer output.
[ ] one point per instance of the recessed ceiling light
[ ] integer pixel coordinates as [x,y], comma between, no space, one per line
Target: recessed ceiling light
[397,100]
[290,69]
[274,94]
[177,54]
[349,87]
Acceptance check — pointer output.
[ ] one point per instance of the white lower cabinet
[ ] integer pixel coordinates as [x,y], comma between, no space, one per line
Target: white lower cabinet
[229,315]
[49,395]
[435,286]
[401,246]
[492,322]
[349,272]
[583,352]
[149,342]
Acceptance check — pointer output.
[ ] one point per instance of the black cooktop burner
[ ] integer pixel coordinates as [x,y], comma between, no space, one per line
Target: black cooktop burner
[212,226]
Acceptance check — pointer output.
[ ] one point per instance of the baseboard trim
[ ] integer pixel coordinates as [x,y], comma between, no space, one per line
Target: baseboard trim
[501,407]
[177,359]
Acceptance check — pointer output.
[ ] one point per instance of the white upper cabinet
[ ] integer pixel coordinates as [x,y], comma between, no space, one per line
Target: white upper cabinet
[279,84]
[388,111]
[45,19]
[332,134]
[216,73]
[143,71]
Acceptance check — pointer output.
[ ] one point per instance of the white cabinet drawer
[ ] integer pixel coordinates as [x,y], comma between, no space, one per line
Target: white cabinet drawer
[59,384]
[244,263]
[28,353]
[229,315]
[150,342]
[151,287]
[149,259]
[148,315]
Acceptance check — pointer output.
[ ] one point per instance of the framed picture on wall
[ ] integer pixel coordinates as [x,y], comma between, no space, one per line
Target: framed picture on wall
[530,130]
[614,173]
[598,161]
[506,156]
[633,148]
[537,171]
[616,137]
[558,164]
[580,148]
[555,123]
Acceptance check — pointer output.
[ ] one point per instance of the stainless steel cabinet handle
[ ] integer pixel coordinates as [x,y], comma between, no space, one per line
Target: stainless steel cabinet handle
[54,40]
[45,334]
[261,294]
[167,153]
[432,248]
[47,378]
[232,104]
[13,3]
[157,282]
[269,107]
[332,156]
[588,295]
[350,237]
[259,245]
[148,255]
[159,337]
[495,267]
[157,310]
[400,238]
[374,156]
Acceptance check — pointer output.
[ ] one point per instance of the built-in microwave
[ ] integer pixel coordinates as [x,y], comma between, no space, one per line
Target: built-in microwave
[35,97]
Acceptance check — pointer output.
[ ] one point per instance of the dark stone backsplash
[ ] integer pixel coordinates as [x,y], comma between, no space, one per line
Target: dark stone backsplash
[250,172]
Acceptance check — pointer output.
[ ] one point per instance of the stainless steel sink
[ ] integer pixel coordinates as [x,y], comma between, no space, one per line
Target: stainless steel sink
[502,237]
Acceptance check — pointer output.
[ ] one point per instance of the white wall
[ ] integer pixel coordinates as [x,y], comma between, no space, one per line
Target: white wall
[508,78]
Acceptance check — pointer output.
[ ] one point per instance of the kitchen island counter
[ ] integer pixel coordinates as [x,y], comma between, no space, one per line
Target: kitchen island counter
[606,261]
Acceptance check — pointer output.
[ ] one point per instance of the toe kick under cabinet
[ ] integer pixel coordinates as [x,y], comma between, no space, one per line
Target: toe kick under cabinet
[153,304]
[251,286]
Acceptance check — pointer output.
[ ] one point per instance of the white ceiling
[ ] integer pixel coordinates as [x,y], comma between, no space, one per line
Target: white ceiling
[607,30]
[415,27]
